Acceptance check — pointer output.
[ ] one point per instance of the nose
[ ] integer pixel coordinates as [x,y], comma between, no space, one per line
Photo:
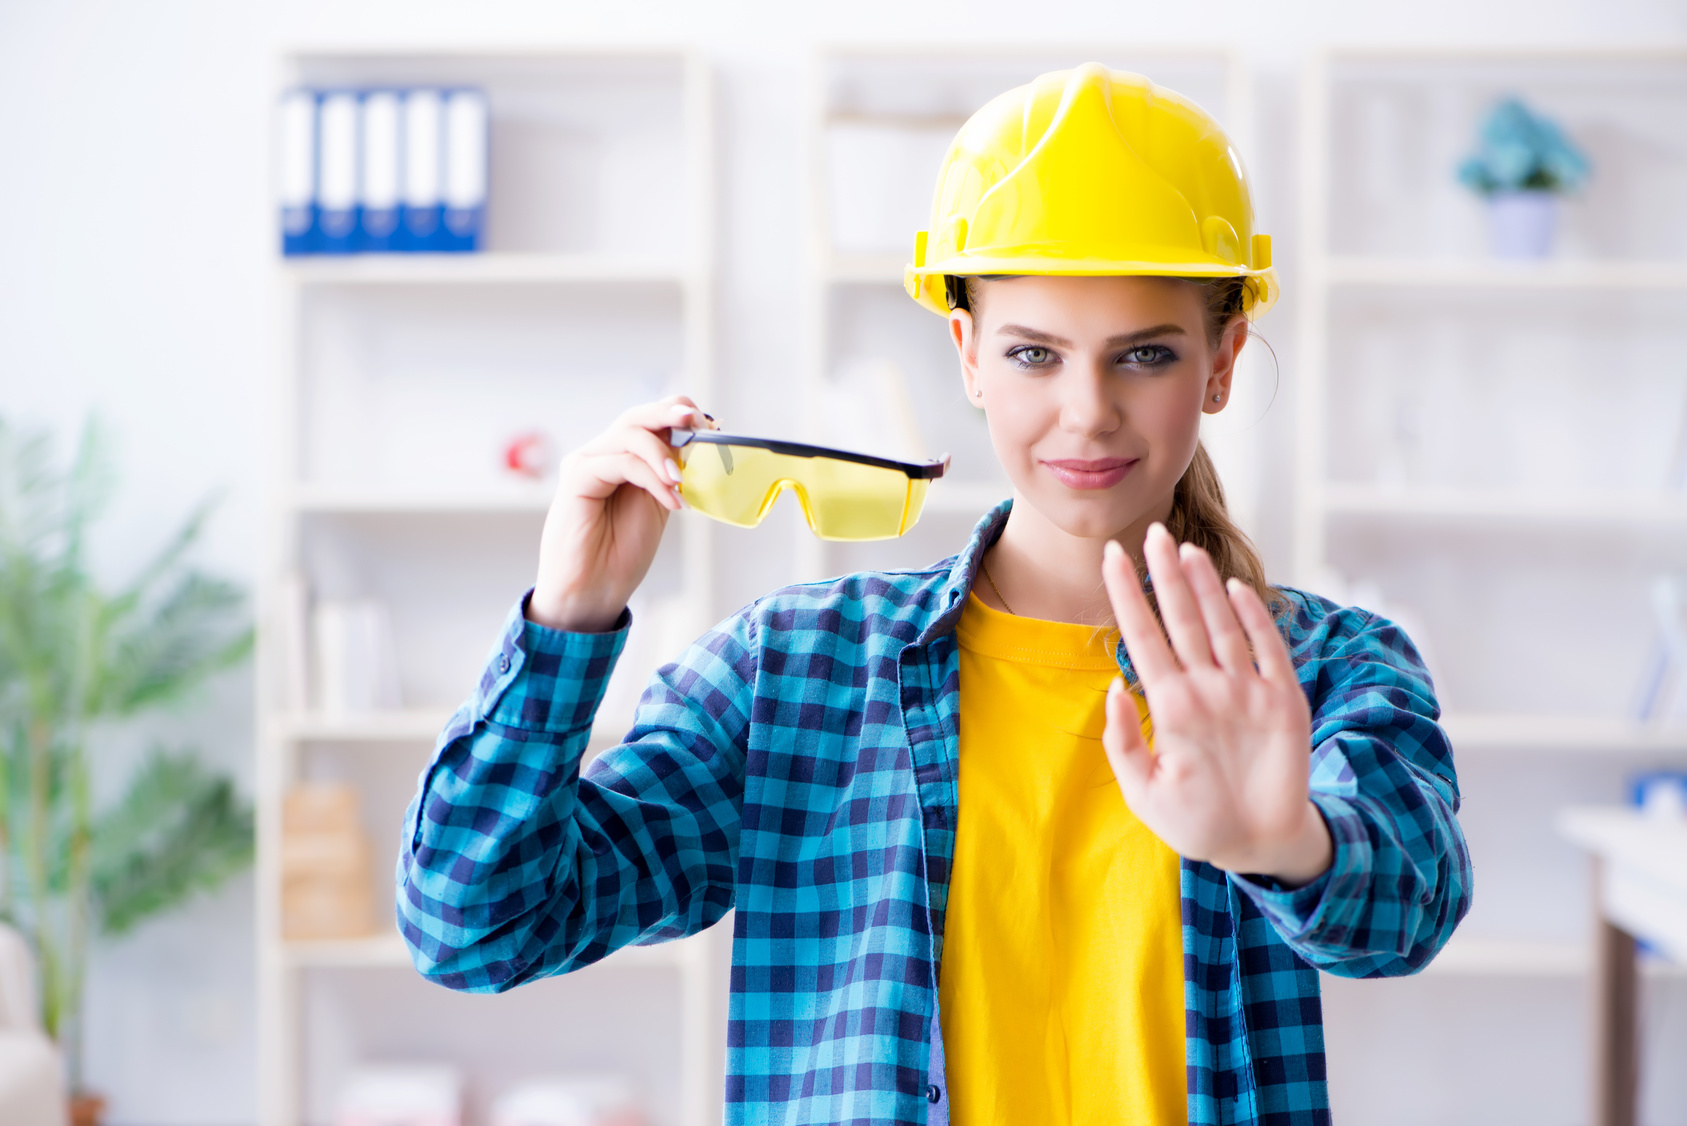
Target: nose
[1087,403]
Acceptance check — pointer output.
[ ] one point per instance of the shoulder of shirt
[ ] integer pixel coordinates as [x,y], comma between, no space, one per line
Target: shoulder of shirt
[1315,626]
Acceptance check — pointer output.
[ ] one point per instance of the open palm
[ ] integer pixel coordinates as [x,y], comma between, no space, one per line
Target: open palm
[1226,778]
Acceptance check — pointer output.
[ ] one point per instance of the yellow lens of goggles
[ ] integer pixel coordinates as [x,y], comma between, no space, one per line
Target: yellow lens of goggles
[844,496]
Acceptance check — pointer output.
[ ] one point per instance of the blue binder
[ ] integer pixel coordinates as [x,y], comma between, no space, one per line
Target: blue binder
[336,172]
[297,186]
[379,158]
[466,153]
[382,170]
[421,208]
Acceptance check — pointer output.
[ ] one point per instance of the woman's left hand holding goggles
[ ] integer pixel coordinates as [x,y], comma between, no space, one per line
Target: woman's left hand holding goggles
[1226,780]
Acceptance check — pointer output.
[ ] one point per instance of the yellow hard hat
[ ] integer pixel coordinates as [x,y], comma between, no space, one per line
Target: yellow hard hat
[1091,171]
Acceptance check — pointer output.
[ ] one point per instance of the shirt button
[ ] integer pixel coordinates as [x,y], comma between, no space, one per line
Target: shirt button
[503,662]
[933,1093]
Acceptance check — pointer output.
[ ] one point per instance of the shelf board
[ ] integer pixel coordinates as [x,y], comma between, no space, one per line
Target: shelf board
[1507,506]
[1479,274]
[855,268]
[1509,958]
[488,268]
[387,951]
[375,500]
[347,953]
[1532,732]
[1504,957]
[412,725]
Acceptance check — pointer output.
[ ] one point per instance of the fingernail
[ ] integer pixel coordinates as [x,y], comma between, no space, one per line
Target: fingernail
[672,467]
[1112,550]
[708,416]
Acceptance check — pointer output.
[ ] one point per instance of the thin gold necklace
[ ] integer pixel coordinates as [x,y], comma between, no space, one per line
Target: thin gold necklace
[985,568]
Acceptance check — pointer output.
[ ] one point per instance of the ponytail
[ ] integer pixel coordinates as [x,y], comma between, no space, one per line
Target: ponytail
[1199,517]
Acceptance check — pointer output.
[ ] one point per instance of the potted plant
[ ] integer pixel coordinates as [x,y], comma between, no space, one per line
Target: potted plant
[76,658]
[1522,165]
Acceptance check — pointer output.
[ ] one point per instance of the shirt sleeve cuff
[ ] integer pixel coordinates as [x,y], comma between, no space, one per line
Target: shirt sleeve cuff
[547,680]
[1299,912]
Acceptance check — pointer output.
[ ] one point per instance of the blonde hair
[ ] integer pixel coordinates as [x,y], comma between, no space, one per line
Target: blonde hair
[1199,514]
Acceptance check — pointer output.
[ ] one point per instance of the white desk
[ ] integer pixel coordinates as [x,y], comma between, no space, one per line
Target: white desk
[1640,891]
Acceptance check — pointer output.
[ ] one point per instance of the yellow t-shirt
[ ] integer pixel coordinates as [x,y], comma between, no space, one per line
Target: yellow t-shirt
[1062,976]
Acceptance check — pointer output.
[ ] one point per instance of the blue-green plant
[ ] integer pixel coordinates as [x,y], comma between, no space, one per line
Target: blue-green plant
[1520,150]
[77,659]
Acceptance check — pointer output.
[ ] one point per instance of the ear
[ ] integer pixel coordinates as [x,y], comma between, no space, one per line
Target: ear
[1224,366]
[961,331]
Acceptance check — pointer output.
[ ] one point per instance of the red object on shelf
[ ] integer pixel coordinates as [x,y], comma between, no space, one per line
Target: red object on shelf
[529,454]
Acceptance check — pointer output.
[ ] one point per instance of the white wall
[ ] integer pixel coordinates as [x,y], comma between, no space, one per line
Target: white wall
[135,274]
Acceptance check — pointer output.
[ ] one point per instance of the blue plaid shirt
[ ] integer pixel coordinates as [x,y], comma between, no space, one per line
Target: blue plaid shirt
[798,763]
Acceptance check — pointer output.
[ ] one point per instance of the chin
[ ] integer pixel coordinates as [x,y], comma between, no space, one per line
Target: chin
[1092,517]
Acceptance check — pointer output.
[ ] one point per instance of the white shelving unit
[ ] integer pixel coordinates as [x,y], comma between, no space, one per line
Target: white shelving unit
[880,121]
[399,379]
[1487,443]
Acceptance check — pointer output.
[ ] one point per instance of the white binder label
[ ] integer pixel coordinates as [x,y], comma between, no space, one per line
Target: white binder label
[337,185]
[380,150]
[298,149]
[465,149]
[421,148]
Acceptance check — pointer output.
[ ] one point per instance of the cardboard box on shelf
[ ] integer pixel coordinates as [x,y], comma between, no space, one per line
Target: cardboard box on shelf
[325,865]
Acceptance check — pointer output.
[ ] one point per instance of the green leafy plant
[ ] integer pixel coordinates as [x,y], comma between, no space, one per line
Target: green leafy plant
[75,660]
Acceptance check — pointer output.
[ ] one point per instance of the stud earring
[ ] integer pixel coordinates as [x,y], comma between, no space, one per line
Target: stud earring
[978,394]
[1218,398]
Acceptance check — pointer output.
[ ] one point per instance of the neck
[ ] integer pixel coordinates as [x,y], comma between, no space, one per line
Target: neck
[1046,572]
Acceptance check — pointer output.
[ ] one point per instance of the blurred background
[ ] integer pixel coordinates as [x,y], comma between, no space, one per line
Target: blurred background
[504,222]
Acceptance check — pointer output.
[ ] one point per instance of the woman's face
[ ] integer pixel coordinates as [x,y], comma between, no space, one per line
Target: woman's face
[1094,389]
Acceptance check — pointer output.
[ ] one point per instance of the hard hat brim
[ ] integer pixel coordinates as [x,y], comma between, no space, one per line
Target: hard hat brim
[925,283]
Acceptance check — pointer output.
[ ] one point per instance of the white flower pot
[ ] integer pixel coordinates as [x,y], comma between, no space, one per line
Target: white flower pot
[1521,224]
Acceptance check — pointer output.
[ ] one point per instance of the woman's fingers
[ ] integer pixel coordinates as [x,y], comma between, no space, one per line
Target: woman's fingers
[1140,633]
[1229,643]
[665,414]
[1127,751]
[604,473]
[1275,664]
[654,452]
[1178,608]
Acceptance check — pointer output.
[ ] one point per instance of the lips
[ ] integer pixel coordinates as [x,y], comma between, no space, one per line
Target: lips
[1102,473]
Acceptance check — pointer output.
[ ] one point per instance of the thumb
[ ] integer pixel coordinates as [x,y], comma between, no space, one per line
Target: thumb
[1127,751]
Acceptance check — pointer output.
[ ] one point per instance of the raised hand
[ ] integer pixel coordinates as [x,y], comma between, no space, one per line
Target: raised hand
[1226,780]
[612,501]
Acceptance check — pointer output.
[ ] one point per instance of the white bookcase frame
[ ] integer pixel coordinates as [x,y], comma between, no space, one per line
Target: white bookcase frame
[284,733]
[1531,739]
[830,269]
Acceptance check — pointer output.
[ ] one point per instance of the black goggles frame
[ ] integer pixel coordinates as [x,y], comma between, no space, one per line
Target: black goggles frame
[927,470]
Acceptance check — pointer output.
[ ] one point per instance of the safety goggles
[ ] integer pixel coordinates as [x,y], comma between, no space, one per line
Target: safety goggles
[844,496]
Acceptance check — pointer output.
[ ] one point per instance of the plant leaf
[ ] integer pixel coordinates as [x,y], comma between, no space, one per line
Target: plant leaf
[179,829]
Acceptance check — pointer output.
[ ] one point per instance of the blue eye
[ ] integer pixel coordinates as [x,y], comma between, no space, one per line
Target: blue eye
[1148,355]
[1031,356]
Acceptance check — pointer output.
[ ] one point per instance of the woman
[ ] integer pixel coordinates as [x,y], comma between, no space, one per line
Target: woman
[970,879]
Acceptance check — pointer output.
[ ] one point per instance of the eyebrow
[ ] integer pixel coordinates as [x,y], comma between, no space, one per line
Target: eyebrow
[1038,337]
